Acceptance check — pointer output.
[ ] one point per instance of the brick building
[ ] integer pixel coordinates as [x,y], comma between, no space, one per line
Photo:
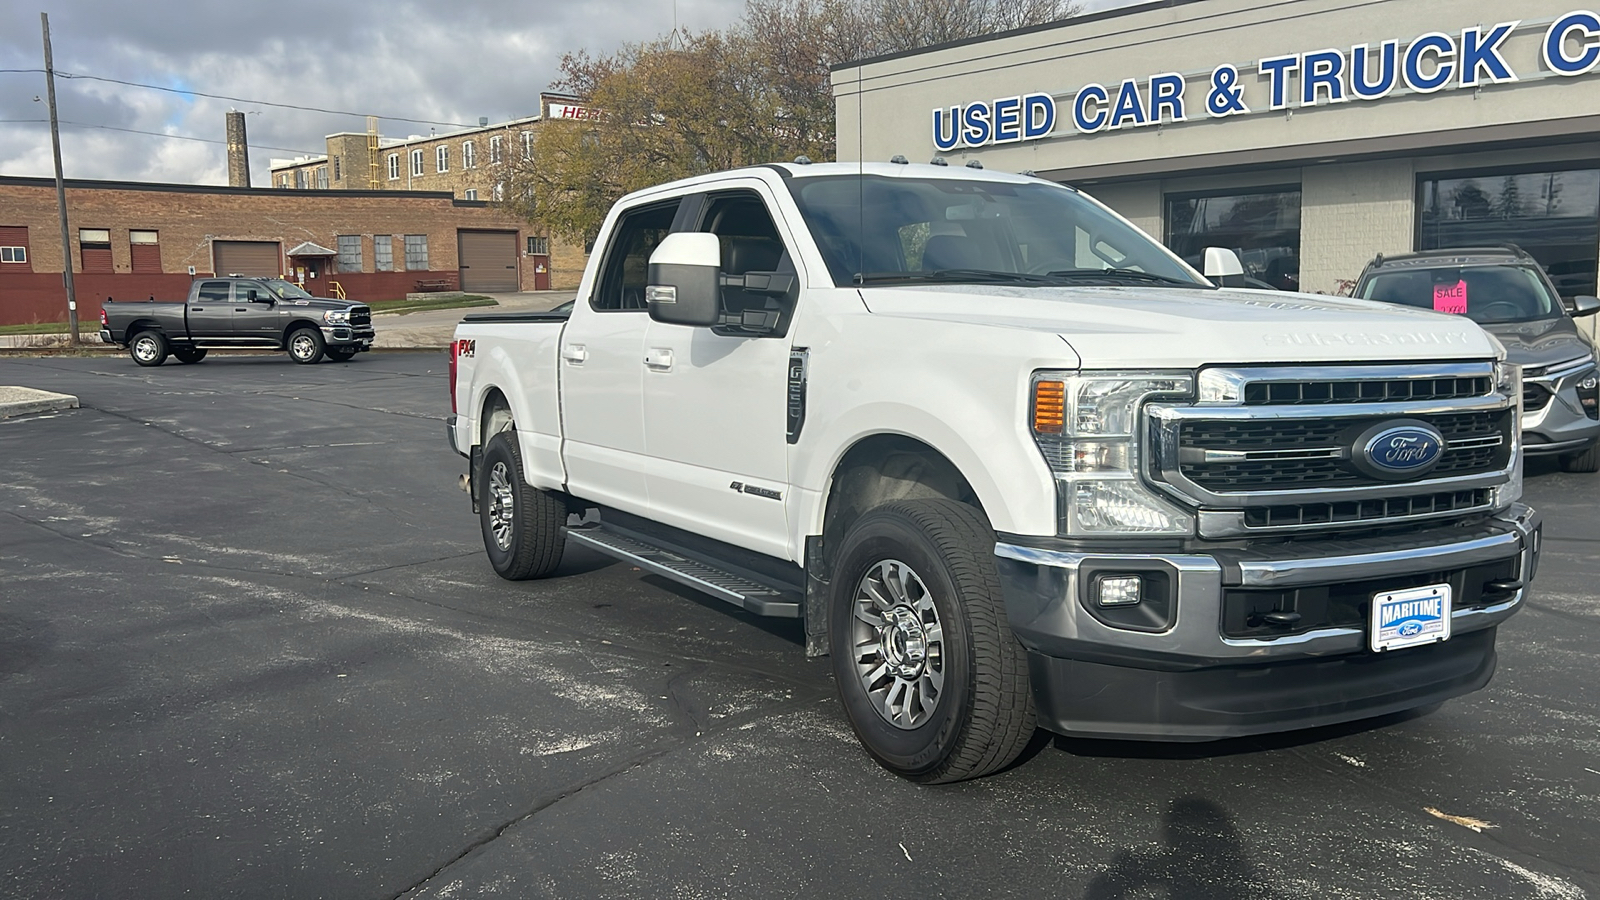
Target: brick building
[470,163]
[132,240]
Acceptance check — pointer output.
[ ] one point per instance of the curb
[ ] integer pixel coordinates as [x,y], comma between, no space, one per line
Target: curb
[21,401]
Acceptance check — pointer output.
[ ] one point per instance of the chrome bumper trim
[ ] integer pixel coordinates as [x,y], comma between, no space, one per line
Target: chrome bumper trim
[1041,594]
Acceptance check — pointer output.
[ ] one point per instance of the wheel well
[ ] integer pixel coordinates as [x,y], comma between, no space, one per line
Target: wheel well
[298,324]
[139,325]
[496,416]
[882,469]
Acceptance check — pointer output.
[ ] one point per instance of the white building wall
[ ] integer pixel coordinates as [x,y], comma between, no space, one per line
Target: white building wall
[1349,214]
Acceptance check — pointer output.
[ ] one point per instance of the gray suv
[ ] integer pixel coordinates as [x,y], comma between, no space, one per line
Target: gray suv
[1504,290]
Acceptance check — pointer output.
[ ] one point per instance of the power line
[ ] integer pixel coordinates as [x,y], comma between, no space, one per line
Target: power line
[161,134]
[315,109]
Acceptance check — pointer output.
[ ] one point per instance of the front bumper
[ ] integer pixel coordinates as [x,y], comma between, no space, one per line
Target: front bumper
[1191,681]
[358,336]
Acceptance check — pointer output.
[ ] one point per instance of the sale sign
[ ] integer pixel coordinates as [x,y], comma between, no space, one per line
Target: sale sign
[1450,298]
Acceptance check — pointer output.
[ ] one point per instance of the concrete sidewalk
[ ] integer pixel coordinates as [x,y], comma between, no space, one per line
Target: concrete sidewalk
[18,401]
[434,327]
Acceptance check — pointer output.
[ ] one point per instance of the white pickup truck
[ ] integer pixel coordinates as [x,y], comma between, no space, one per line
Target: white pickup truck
[1012,462]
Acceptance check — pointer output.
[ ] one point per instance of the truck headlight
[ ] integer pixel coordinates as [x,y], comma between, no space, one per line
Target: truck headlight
[1087,425]
[337,317]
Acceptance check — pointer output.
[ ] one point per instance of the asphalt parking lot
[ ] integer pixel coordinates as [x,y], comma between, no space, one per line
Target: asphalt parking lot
[250,647]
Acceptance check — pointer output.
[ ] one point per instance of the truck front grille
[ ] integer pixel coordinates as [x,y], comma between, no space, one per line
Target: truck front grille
[1292,454]
[1286,449]
[1373,390]
[360,315]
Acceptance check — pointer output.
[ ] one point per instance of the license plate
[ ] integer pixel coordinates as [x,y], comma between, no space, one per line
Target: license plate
[1410,617]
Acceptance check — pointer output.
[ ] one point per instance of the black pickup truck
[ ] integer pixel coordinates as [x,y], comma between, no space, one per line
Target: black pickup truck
[239,313]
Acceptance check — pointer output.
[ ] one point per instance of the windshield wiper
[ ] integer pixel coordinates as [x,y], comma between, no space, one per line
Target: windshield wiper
[1133,275]
[951,276]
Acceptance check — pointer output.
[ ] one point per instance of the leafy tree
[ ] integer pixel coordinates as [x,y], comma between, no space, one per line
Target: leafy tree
[757,92]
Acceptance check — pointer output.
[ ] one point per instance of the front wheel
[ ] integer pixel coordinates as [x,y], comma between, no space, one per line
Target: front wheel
[340,354]
[1582,461]
[522,525]
[148,348]
[306,346]
[931,677]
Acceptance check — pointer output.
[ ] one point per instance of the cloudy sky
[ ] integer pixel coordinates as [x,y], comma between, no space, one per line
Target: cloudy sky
[443,62]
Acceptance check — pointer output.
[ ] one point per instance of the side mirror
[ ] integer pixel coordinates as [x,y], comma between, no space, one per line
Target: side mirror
[685,280]
[1222,266]
[1585,306]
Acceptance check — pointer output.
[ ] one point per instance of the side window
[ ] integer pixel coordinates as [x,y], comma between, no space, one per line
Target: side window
[212,292]
[248,292]
[627,264]
[751,243]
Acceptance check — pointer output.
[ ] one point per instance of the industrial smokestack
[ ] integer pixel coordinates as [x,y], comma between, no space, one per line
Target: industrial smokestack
[238,151]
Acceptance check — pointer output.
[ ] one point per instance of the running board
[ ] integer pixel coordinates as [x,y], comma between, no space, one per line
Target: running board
[743,592]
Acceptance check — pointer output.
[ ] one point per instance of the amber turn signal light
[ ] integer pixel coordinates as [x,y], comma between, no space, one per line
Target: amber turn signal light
[1049,407]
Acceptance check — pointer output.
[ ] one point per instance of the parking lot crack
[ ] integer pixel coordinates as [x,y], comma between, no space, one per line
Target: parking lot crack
[620,768]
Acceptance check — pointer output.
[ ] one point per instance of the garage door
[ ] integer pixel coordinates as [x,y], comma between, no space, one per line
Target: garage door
[488,260]
[259,258]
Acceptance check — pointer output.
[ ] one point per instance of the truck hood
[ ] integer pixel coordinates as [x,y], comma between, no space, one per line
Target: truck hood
[1115,327]
[320,303]
[1541,342]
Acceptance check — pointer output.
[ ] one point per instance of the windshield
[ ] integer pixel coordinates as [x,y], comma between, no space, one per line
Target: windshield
[1485,294]
[878,230]
[285,290]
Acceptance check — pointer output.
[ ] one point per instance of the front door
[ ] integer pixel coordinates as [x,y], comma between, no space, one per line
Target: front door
[602,368]
[715,399]
[210,313]
[255,314]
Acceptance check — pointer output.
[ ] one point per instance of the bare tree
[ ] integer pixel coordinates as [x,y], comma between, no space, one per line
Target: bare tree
[757,92]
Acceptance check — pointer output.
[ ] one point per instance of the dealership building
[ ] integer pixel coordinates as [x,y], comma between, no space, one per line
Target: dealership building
[1309,135]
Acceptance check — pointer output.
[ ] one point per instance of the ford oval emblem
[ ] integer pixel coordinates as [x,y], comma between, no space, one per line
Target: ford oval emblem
[1410,629]
[1404,449]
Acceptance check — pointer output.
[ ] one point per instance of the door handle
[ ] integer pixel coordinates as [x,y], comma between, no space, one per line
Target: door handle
[659,358]
[574,353]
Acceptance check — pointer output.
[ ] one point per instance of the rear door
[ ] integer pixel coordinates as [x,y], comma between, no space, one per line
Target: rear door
[210,311]
[602,367]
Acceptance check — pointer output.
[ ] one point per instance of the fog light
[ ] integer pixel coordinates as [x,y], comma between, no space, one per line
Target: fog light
[1117,590]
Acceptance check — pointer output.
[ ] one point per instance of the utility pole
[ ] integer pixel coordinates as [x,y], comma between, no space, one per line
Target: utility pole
[61,188]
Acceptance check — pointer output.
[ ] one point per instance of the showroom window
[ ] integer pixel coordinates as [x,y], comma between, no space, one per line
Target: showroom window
[1554,215]
[1262,226]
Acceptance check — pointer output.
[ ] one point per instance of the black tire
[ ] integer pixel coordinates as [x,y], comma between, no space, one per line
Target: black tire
[305,345]
[340,354]
[1582,461]
[982,713]
[188,355]
[148,348]
[522,525]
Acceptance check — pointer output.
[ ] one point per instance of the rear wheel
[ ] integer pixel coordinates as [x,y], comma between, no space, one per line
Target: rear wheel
[1582,461]
[148,348]
[931,677]
[522,525]
[306,346]
[188,354]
